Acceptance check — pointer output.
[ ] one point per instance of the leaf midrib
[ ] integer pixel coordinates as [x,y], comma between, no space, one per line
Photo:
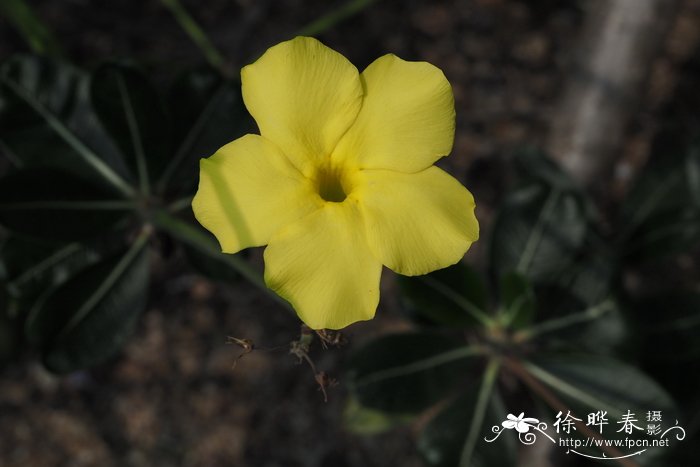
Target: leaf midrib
[419,365]
[191,137]
[135,135]
[72,140]
[101,291]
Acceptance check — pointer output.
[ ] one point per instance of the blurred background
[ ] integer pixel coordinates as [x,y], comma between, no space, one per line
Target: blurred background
[592,83]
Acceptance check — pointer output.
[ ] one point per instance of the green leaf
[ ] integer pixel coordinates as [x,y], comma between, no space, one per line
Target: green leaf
[591,277]
[130,110]
[667,233]
[33,269]
[454,296]
[534,166]
[46,121]
[671,321]
[669,182]
[565,321]
[204,254]
[600,382]
[196,238]
[207,112]
[10,331]
[88,318]
[455,437]
[517,300]
[363,421]
[57,205]
[215,267]
[587,383]
[661,214]
[405,373]
[667,328]
[538,233]
[37,35]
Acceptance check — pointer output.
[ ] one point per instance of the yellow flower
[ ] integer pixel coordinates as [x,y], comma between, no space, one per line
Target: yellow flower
[340,180]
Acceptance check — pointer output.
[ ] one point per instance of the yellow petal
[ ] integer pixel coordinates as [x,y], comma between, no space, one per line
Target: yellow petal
[407,120]
[323,266]
[417,223]
[303,96]
[247,191]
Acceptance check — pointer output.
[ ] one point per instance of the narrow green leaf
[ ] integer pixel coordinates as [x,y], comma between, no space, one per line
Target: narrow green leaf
[591,277]
[517,300]
[454,296]
[198,239]
[670,232]
[57,205]
[587,384]
[35,32]
[327,21]
[33,269]
[455,437]
[129,108]
[661,214]
[10,331]
[405,373]
[45,121]
[538,233]
[207,112]
[195,32]
[601,383]
[670,181]
[364,421]
[672,322]
[566,322]
[87,319]
[667,326]
[533,166]
[215,267]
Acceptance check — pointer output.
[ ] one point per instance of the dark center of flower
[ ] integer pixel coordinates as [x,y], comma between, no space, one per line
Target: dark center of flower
[332,184]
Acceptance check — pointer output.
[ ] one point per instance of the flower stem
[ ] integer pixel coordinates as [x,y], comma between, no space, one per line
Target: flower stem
[196,33]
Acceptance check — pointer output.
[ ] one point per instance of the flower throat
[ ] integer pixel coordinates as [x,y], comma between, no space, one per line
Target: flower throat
[332,184]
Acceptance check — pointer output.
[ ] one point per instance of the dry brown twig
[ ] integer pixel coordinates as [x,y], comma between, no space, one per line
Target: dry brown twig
[301,347]
[246,344]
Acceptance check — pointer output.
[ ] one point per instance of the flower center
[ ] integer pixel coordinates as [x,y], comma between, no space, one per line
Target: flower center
[333,184]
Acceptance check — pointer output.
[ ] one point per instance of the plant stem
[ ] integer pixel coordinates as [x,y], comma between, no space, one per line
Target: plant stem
[196,33]
[329,20]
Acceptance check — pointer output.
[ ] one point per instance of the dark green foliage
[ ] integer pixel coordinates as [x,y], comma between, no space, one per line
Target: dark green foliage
[442,441]
[405,373]
[449,296]
[95,159]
